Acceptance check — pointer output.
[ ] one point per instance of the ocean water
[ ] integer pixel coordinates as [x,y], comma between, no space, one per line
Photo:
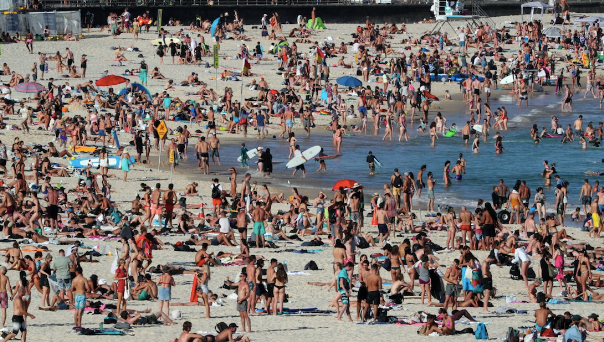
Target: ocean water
[521,160]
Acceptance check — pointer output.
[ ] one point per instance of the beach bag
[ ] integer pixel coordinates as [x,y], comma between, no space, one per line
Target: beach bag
[382,316]
[221,327]
[530,273]
[548,333]
[481,332]
[552,271]
[515,272]
[127,290]
[387,265]
[312,265]
[513,335]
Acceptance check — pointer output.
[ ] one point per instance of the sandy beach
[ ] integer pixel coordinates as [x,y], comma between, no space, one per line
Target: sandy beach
[99,48]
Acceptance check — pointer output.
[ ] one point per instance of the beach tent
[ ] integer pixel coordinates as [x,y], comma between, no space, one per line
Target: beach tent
[318,25]
[279,46]
[552,32]
[590,20]
[532,5]
[137,87]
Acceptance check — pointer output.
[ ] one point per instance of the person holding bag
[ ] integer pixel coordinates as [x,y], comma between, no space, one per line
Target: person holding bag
[123,290]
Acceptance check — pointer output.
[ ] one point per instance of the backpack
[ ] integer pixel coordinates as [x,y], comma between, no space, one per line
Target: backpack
[515,272]
[216,191]
[220,327]
[397,182]
[312,266]
[382,316]
[513,335]
[481,332]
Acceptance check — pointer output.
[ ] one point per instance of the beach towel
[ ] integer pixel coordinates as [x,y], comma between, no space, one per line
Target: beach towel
[194,298]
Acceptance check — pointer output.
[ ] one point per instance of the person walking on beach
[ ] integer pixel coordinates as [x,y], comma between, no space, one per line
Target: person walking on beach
[4,285]
[19,315]
[243,294]
[279,289]
[164,290]
[343,287]
[79,286]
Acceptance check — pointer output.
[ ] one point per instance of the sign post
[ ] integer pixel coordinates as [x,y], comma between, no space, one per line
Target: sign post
[159,15]
[172,164]
[216,66]
[161,131]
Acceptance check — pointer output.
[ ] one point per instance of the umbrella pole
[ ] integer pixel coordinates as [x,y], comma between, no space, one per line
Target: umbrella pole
[159,161]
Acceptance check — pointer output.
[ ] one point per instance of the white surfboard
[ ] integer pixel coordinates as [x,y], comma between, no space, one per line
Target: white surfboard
[250,154]
[308,154]
[507,80]
[477,128]
[377,163]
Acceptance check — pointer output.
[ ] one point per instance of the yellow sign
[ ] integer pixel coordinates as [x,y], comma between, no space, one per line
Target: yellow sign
[162,129]
[171,156]
[215,56]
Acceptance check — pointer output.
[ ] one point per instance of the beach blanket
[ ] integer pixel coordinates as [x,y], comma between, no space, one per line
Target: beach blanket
[296,273]
[317,25]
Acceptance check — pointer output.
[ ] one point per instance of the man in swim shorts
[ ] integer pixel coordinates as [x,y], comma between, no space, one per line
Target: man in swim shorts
[79,286]
[259,216]
[343,286]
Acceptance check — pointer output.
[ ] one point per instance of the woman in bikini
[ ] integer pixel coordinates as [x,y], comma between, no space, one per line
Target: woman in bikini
[279,290]
[395,263]
[433,135]
[583,274]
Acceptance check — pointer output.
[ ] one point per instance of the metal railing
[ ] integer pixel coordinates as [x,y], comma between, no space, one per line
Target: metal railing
[161,3]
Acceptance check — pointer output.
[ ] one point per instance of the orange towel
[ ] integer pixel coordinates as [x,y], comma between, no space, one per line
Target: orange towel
[194,297]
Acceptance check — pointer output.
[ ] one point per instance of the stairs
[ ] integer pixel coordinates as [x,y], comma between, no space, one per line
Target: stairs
[484,17]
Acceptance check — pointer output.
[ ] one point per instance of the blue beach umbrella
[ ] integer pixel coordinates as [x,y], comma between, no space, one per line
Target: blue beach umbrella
[349,81]
[137,87]
[213,27]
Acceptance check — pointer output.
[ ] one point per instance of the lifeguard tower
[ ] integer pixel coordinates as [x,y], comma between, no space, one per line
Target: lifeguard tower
[446,11]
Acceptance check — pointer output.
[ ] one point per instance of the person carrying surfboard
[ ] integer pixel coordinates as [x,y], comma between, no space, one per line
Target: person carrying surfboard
[297,153]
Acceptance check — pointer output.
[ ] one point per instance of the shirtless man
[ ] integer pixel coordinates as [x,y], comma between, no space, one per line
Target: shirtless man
[169,200]
[382,218]
[542,317]
[452,278]
[259,216]
[8,202]
[187,336]
[363,292]
[585,195]
[79,286]
[289,119]
[242,221]
[243,294]
[227,334]
[487,280]
[246,192]
[466,219]
[19,314]
[4,284]
[181,145]
[215,149]
[156,207]
[14,256]
[374,286]
[250,272]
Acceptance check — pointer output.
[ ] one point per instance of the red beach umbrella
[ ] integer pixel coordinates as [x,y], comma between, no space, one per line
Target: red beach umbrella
[110,80]
[344,183]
